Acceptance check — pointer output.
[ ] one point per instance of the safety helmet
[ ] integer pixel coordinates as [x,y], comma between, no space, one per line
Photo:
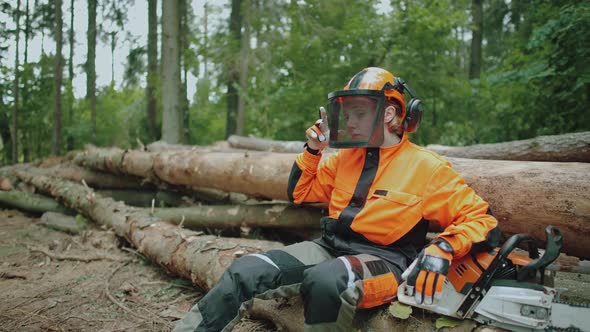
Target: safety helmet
[355,114]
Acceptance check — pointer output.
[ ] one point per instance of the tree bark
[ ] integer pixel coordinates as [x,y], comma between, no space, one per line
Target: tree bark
[91,66]
[561,148]
[171,118]
[57,80]
[524,196]
[152,69]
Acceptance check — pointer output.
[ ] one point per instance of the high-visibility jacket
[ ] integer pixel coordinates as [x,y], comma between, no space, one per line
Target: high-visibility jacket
[381,194]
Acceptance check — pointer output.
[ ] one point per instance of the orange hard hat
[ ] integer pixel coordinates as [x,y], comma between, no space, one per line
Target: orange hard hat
[375,78]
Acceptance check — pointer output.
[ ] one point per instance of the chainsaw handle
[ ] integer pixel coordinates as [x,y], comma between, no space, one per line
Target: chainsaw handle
[552,250]
[514,241]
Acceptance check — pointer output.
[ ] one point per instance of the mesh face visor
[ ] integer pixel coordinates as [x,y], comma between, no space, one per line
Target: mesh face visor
[355,118]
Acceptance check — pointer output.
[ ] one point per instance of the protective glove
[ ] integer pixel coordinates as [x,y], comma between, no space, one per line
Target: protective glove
[429,270]
[318,135]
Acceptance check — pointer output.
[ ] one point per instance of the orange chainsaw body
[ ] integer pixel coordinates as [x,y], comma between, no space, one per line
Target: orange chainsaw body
[465,271]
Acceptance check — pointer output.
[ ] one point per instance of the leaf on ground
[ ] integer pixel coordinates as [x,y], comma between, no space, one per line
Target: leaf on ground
[400,310]
[445,321]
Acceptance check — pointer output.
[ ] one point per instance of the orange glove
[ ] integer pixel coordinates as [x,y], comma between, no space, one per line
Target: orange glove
[318,135]
[429,270]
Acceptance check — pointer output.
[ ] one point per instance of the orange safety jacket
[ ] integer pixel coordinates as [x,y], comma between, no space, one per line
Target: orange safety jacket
[381,194]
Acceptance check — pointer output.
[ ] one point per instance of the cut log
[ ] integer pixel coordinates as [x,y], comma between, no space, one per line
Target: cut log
[145,198]
[261,144]
[100,180]
[571,147]
[223,216]
[524,196]
[562,148]
[30,202]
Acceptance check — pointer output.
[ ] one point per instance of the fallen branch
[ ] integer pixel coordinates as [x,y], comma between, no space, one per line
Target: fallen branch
[11,275]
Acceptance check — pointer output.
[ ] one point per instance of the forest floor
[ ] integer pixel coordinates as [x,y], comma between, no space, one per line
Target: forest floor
[104,285]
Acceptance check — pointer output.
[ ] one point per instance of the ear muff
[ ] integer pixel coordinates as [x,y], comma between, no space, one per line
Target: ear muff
[414,108]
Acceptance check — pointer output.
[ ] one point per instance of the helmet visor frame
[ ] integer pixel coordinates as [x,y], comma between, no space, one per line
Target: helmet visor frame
[355,118]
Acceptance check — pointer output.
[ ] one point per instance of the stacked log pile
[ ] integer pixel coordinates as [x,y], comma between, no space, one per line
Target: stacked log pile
[227,186]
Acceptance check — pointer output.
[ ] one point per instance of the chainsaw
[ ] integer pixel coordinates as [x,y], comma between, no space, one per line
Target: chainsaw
[505,289]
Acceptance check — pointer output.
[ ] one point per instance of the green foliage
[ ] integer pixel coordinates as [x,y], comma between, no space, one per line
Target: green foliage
[535,76]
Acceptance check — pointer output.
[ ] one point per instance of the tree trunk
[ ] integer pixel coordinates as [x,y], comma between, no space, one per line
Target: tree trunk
[70,115]
[525,196]
[32,202]
[14,131]
[244,54]
[233,76]
[183,45]
[171,119]
[113,46]
[476,39]
[152,70]
[27,32]
[57,78]
[91,66]
[561,148]
[205,39]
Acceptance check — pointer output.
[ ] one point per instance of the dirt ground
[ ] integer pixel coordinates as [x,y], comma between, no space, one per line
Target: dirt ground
[104,285]
[122,292]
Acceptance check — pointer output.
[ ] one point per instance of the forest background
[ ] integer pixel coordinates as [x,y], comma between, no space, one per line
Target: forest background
[487,70]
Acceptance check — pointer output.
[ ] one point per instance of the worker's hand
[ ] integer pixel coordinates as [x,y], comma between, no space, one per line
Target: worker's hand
[318,135]
[428,272]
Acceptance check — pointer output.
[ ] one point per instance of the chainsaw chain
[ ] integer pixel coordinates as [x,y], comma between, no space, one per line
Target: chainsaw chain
[573,304]
[561,329]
